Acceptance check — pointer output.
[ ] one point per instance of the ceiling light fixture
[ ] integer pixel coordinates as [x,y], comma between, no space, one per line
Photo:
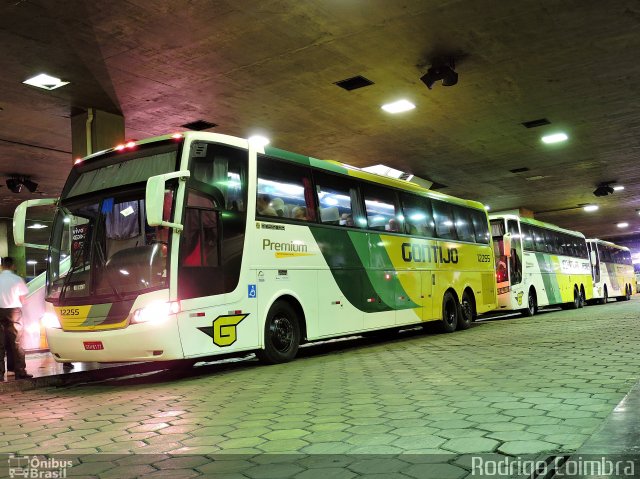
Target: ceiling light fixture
[259,140]
[399,106]
[555,138]
[36,226]
[442,70]
[624,224]
[618,188]
[46,82]
[591,208]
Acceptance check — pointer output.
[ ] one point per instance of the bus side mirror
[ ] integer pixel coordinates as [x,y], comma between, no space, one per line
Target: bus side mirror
[19,220]
[506,243]
[154,198]
[594,259]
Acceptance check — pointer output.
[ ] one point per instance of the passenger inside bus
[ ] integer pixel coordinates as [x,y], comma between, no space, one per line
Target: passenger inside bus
[263,207]
[300,213]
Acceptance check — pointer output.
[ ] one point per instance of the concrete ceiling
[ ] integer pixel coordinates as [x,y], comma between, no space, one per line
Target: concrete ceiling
[271,66]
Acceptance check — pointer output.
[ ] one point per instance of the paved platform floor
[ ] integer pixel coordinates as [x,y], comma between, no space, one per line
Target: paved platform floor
[540,386]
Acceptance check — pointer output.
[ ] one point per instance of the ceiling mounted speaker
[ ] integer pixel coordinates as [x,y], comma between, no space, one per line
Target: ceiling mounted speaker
[440,72]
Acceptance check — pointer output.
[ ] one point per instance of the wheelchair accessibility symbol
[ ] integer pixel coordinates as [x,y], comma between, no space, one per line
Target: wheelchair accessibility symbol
[252,291]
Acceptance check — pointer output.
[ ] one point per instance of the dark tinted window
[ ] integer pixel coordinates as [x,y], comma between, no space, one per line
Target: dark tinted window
[527,237]
[222,172]
[443,218]
[284,190]
[418,219]
[463,224]
[338,201]
[480,226]
[380,207]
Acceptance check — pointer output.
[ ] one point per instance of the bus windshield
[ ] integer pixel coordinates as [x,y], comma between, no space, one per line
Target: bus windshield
[101,223]
[114,253]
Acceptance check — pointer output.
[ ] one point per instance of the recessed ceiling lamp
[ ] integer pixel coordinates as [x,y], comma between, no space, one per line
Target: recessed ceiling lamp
[555,138]
[36,226]
[399,106]
[623,225]
[259,140]
[618,188]
[591,208]
[46,82]
[487,207]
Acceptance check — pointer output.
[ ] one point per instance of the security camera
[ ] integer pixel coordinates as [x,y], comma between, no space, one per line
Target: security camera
[603,190]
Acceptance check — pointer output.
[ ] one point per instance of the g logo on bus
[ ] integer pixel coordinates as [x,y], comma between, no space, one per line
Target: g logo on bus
[519,298]
[223,329]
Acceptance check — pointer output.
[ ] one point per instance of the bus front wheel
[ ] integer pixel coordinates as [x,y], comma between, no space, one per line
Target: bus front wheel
[450,313]
[532,304]
[577,302]
[281,334]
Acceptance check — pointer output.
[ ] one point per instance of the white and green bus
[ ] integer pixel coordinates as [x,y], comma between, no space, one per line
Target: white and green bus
[612,271]
[201,244]
[539,264]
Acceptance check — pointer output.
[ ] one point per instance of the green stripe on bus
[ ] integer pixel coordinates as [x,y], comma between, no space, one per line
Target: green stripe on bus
[549,278]
[388,288]
[347,269]
[287,155]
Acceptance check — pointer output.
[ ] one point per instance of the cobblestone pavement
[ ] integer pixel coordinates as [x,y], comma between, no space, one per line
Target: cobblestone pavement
[518,386]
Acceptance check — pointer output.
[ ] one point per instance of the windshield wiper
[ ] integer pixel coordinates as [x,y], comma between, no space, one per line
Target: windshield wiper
[107,272]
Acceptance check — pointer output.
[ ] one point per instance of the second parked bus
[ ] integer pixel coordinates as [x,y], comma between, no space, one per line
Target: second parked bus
[539,264]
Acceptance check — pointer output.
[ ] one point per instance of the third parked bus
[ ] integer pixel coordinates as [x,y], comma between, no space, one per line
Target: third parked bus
[612,270]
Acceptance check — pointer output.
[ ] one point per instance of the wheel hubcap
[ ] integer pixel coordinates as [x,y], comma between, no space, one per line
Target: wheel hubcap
[451,313]
[281,333]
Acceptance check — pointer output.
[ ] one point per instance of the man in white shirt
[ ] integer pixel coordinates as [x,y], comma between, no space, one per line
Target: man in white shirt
[12,293]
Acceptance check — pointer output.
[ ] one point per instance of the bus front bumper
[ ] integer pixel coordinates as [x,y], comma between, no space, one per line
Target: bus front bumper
[136,342]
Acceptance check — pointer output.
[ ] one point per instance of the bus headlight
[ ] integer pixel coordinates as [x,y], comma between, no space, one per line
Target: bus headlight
[50,320]
[156,312]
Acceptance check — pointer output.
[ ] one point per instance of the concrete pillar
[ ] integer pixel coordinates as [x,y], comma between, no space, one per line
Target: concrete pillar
[95,130]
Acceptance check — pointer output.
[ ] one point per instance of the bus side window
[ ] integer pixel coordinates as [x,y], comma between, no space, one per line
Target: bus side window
[284,190]
[417,215]
[527,234]
[443,218]
[480,226]
[381,209]
[463,225]
[338,201]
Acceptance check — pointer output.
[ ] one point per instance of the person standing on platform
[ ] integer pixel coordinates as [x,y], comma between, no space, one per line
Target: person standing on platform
[12,293]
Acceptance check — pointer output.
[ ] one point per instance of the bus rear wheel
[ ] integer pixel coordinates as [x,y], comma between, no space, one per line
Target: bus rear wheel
[450,313]
[467,311]
[532,304]
[281,334]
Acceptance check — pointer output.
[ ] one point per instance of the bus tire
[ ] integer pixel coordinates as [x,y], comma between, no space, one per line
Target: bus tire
[628,296]
[450,313]
[467,311]
[606,296]
[575,304]
[583,299]
[281,334]
[532,304]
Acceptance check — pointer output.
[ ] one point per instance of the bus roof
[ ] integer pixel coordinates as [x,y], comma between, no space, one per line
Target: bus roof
[344,169]
[608,243]
[531,221]
[328,165]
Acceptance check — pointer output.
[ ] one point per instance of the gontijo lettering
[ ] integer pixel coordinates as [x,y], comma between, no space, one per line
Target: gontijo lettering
[423,253]
[295,246]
